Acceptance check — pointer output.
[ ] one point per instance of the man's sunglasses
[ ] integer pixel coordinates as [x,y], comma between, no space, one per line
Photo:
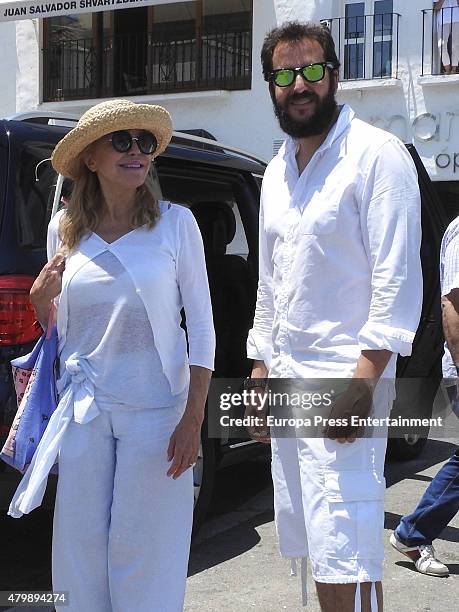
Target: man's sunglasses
[312,73]
[122,142]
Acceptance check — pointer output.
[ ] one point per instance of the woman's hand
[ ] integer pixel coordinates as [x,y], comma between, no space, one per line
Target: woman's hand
[47,286]
[184,443]
[183,446]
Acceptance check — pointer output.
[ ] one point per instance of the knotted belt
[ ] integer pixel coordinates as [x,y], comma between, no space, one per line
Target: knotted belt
[76,391]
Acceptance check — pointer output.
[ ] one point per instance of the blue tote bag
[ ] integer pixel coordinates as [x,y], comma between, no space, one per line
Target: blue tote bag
[35,383]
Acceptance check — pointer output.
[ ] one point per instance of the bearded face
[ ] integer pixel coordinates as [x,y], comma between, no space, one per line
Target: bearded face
[312,124]
[303,108]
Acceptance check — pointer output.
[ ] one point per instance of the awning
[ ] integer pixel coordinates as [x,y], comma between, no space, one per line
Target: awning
[13,10]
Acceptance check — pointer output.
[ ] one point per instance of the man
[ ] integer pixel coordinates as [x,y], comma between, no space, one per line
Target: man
[440,502]
[339,295]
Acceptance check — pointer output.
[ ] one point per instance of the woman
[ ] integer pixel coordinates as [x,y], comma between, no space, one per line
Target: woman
[128,423]
[447,12]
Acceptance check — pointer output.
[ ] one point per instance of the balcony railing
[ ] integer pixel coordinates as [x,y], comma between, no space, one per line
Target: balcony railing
[437,33]
[145,64]
[367,45]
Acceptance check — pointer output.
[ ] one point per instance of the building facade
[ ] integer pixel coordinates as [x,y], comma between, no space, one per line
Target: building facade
[200,59]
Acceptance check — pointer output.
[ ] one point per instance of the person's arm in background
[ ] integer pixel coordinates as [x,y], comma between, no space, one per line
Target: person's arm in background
[437,5]
[450,295]
[450,316]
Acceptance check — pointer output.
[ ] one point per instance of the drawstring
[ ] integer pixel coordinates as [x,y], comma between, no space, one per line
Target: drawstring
[304,585]
[357,605]
[304,581]
[374,599]
[304,577]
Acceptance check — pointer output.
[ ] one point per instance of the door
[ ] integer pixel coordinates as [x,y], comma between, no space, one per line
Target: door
[130,51]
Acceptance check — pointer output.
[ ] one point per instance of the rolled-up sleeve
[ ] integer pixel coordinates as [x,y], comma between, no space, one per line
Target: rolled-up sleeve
[259,341]
[450,263]
[194,291]
[390,216]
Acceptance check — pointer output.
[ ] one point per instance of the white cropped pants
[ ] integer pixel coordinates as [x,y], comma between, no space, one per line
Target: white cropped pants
[329,502]
[450,31]
[122,528]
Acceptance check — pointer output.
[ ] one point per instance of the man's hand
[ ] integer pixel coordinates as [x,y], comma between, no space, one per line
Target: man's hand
[356,401]
[258,412]
[358,397]
[259,433]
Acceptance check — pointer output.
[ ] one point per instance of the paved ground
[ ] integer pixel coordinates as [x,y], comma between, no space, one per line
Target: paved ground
[235,566]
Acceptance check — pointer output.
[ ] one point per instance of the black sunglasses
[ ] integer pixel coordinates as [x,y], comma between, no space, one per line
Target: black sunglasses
[312,73]
[122,142]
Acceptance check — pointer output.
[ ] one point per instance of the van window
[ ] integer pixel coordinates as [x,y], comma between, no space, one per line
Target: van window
[35,183]
[209,191]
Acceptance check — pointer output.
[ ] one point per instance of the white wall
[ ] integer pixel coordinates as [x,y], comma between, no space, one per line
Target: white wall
[302,10]
[9,62]
[28,65]
[245,118]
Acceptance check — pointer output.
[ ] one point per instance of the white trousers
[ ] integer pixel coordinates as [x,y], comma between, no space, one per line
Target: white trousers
[450,31]
[329,501]
[122,528]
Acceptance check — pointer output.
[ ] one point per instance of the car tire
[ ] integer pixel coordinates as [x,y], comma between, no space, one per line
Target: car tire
[204,477]
[421,398]
[409,447]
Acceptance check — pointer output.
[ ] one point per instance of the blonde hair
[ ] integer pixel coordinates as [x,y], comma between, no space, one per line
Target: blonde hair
[85,205]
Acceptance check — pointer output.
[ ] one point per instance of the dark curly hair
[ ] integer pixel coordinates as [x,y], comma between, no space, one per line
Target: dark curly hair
[296,31]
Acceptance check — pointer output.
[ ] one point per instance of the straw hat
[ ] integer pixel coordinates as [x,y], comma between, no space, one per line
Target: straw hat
[105,118]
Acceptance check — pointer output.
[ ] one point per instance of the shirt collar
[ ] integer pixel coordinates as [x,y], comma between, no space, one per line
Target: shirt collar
[346,115]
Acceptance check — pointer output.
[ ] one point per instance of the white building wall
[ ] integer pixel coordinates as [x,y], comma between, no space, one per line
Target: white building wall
[422,110]
[9,63]
[28,64]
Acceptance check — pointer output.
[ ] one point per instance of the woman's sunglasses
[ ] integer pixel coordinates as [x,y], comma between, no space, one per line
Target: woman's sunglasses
[122,142]
[312,73]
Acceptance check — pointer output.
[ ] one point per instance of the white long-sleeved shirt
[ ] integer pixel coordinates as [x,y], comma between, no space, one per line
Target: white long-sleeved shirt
[340,267]
[167,267]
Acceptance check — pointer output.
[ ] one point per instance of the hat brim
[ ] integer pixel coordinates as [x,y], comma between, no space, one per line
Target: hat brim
[126,115]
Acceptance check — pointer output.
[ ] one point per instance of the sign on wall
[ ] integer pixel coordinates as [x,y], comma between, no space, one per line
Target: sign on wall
[13,10]
[438,130]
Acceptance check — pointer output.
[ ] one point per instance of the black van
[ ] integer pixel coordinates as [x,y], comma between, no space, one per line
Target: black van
[221,186]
